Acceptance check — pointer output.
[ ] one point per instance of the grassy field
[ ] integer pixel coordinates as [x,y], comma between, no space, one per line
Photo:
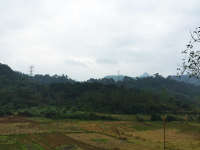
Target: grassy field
[36,133]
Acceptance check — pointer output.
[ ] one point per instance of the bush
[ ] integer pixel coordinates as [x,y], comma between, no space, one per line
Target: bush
[111,118]
[61,116]
[198,117]
[84,116]
[171,118]
[139,117]
[155,117]
[76,116]
[102,117]
[50,113]
[1,112]
[191,118]
[8,112]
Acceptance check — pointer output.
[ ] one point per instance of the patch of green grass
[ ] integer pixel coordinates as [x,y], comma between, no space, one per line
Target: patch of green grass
[99,121]
[99,140]
[39,119]
[192,122]
[7,140]
[71,128]
[34,146]
[140,126]
[15,146]
[71,147]
[181,127]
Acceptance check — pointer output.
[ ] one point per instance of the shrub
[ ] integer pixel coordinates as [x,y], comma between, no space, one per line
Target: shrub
[191,118]
[102,117]
[139,117]
[1,112]
[76,116]
[155,117]
[51,112]
[180,118]
[171,118]
[111,118]
[8,112]
[61,116]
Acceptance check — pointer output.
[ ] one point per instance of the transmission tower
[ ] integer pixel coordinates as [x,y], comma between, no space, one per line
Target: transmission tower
[31,70]
[118,75]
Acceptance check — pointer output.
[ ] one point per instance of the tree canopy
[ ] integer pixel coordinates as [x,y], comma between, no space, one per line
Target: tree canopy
[193,60]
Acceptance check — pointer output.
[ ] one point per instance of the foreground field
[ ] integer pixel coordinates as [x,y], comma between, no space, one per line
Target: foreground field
[35,133]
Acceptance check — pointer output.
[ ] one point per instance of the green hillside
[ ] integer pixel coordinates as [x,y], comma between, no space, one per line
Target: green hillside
[128,96]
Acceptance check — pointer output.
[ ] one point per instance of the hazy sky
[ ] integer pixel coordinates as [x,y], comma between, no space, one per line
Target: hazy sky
[94,38]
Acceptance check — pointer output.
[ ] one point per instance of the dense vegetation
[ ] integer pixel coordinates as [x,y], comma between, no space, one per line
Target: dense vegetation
[47,79]
[128,96]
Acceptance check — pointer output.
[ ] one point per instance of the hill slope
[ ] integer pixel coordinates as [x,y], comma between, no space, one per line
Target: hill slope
[141,95]
[121,77]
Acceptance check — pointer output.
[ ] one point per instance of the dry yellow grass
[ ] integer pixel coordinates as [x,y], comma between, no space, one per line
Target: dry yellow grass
[64,127]
[20,128]
[173,139]
[143,140]
[111,144]
[95,127]
[10,117]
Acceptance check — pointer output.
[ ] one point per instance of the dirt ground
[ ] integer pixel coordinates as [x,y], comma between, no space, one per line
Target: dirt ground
[18,119]
[110,144]
[20,128]
[120,135]
[58,140]
[19,125]
[173,138]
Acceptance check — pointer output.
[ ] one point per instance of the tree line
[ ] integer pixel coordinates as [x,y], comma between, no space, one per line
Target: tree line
[128,96]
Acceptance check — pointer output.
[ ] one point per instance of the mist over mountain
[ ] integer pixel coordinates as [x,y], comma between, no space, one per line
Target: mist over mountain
[184,78]
[145,75]
[121,77]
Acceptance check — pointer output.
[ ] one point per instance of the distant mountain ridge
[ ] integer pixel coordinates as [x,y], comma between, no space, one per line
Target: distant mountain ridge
[186,79]
[121,77]
[145,75]
[183,78]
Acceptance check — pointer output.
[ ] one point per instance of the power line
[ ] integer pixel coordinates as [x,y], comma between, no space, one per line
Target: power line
[31,70]
[118,75]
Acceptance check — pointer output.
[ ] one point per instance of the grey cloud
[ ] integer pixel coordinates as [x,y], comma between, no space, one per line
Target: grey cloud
[88,61]
[105,61]
[75,63]
[147,36]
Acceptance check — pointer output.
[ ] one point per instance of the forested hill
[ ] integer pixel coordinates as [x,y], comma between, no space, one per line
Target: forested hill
[9,79]
[186,79]
[103,95]
[178,90]
[121,77]
[47,79]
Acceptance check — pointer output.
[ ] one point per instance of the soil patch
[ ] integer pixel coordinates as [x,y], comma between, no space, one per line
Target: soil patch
[24,139]
[32,147]
[88,138]
[57,140]
[20,128]
[18,119]
[64,127]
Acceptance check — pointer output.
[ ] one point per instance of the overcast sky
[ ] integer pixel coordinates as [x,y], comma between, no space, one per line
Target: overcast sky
[95,38]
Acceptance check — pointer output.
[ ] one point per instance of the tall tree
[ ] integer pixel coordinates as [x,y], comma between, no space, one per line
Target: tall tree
[193,60]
